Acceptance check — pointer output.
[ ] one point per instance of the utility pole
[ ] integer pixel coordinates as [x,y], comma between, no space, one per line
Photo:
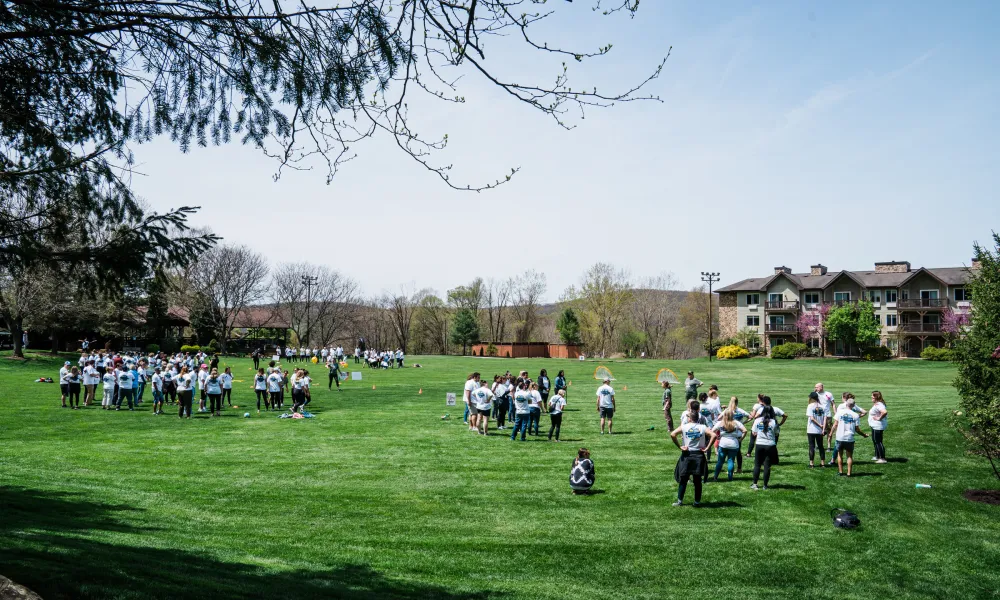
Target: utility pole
[309,281]
[709,278]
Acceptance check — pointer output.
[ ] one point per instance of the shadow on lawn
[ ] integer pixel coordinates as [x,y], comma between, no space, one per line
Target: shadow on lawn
[44,545]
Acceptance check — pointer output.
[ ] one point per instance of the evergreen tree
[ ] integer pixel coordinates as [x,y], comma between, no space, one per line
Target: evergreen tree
[465,329]
[568,326]
[978,357]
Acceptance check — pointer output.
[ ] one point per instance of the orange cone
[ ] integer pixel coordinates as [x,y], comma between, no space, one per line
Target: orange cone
[420,391]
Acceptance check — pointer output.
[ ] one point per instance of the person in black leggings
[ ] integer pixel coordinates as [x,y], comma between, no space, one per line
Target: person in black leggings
[74,388]
[815,425]
[556,407]
[767,446]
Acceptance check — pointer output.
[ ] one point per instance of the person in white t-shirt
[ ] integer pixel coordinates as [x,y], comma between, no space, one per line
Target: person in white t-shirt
[64,383]
[878,422]
[185,392]
[522,399]
[471,385]
[815,425]
[692,464]
[91,379]
[832,437]
[535,407]
[826,401]
[711,409]
[483,398]
[606,404]
[845,425]
[556,406]
[156,384]
[110,381]
[275,390]
[730,432]
[765,430]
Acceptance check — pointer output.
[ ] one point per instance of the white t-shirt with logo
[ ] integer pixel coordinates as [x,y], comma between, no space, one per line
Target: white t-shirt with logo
[536,399]
[730,440]
[522,399]
[91,376]
[606,393]
[874,420]
[695,436]
[826,401]
[817,412]
[157,382]
[556,405]
[711,408]
[847,422]
[109,380]
[125,380]
[483,398]
[685,419]
[227,381]
[765,437]
[274,382]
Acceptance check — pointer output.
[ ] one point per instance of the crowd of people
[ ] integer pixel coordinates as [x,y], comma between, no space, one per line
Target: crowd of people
[706,425]
[124,379]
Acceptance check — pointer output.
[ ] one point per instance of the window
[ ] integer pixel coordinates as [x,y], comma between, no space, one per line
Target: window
[878,319]
[890,296]
[875,296]
[961,295]
[777,320]
[774,299]
[842,296]
[812,343]
[928,294]
[754,344]
[812,297]
[753,299]
[891,320]
[777,341]
[753,320]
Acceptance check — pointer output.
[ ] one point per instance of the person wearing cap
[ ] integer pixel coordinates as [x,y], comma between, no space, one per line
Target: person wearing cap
[64,373]
[606,404]
[815,426]
[691,387]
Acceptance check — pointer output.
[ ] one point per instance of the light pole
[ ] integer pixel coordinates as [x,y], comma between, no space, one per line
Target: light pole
[309,281]
[709,278]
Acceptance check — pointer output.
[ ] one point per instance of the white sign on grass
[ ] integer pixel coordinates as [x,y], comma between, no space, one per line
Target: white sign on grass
[355,375]
[450,399]
[275,358]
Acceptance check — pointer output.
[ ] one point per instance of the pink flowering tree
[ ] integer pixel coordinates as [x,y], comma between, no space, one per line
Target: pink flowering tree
[953,323]
[810,323]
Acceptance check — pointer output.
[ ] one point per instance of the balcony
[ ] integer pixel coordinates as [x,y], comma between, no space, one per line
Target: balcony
[782,306]
[922,304]
[920,327]
[780,329]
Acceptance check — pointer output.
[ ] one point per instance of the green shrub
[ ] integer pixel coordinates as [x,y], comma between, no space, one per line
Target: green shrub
[491,350]
[716,344]
[732,352]
[932,353]
[876,354]
[152,348]
[212,347]
[192,349]
[789,351]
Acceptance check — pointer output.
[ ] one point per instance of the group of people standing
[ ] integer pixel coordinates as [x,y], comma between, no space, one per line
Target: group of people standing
[705,425]
[125,378]
[520,398]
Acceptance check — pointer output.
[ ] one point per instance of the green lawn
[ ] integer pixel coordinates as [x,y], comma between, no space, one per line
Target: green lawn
[378,497]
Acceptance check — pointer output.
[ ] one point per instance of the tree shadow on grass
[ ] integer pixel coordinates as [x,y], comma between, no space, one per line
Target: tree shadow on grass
[898,460]
[45,545]
[865,474]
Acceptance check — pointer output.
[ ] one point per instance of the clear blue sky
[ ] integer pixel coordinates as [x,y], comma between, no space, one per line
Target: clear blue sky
[790,133]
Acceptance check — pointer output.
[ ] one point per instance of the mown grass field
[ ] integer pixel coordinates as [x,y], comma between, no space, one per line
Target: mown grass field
[378,497]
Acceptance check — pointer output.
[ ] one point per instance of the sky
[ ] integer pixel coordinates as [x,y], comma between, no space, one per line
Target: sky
[788,134]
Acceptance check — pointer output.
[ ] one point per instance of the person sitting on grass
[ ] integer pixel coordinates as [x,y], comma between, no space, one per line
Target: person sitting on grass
[582,476]
[845,424]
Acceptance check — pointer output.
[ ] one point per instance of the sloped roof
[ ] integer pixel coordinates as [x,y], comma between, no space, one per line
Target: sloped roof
[867,279]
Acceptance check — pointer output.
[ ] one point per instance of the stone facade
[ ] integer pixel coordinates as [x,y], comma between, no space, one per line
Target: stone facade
[900,266]
[728,315]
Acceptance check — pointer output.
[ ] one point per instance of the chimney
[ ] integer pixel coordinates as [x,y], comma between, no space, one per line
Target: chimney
[817,270]
[895,266]
[784,270]
[976,264]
